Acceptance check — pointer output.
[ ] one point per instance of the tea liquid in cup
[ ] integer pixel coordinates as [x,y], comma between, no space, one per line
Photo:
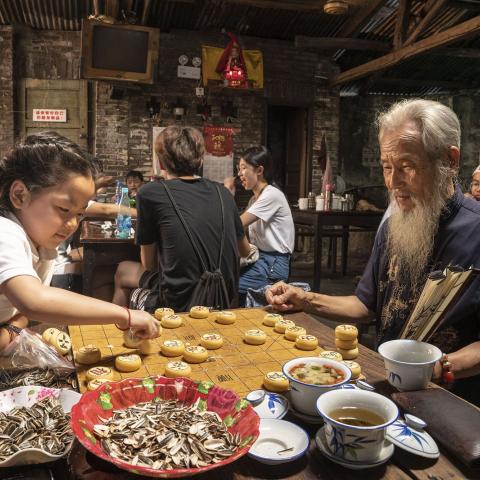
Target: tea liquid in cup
[355,423]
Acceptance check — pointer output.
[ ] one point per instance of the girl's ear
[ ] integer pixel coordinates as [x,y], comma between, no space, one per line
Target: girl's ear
[19,194]
[260,170]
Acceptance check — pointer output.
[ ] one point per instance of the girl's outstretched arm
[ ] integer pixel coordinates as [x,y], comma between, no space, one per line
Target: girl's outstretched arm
[62,307]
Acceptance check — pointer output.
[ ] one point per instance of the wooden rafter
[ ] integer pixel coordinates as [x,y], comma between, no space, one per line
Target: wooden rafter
[451,35]
[357,21]
[401,25]
[423,24]
[335,43]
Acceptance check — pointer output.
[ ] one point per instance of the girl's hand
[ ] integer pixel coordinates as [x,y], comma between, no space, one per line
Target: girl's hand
[144,325]
[229,184]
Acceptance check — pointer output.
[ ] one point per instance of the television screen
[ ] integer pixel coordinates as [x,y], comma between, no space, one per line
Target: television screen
[119,52]
[119,49]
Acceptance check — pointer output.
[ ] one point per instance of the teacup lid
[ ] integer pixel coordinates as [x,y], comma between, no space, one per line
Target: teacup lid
[268,404]
[409,435]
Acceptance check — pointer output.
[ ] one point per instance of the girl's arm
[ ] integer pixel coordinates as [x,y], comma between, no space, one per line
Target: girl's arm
[62,307]
[465,362]
[247,219]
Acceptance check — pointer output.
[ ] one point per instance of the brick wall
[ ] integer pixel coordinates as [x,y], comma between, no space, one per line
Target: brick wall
[6,89]
[290,78]
[359,152]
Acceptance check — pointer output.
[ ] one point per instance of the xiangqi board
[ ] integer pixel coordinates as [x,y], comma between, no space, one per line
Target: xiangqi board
[235,365]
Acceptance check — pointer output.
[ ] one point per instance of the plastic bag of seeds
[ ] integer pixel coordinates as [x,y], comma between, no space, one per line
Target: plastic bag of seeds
[28,350]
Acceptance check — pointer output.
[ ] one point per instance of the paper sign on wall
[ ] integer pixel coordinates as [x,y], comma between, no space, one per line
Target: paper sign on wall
[49,115]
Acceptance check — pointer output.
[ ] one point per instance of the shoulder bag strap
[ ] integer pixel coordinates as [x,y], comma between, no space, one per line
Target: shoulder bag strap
[187,229]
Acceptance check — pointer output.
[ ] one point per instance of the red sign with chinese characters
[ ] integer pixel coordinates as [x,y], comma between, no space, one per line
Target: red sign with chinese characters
[218,140]
[49,115]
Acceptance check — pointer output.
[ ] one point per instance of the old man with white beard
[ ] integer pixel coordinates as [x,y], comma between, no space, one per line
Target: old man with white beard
[432,225]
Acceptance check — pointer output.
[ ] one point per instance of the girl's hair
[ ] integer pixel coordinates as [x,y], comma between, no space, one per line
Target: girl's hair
[41,161]
[259,156]
[180,150]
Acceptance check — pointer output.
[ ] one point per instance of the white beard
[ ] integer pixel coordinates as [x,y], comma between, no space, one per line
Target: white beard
[411,237]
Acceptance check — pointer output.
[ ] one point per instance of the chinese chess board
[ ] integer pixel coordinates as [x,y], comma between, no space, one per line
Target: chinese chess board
[236,365]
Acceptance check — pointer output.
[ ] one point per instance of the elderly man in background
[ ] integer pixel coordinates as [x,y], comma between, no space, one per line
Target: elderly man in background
[432,225]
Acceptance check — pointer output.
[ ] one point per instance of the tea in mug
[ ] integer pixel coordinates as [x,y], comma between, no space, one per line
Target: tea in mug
[357,417]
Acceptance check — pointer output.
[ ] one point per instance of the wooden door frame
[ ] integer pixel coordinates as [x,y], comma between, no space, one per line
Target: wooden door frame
[82,85]
[305,182]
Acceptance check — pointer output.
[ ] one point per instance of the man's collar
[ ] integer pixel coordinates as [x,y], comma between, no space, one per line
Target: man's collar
[453,204]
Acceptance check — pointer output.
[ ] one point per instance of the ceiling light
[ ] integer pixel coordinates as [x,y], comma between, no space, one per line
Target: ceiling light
[336,7]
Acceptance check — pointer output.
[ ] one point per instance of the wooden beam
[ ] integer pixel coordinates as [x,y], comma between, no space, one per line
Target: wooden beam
[334,43]
[401,25]
[451,35]
[305,5]
[429,16]
[357,21]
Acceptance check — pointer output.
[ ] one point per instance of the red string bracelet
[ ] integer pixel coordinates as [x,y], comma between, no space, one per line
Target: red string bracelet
[129,321]
[447,375]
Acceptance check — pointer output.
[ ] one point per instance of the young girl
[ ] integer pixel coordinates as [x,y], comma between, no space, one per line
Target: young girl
[45,186]
[269,221]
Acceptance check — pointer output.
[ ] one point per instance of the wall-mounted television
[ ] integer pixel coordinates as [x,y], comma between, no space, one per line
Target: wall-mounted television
[119,52]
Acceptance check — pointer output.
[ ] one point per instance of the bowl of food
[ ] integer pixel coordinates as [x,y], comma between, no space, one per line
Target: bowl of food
[310,377]
[409,363]
[35,424]
[165,427]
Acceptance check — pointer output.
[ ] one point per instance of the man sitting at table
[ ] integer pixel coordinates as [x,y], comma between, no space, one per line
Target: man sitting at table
[432,225]
[160,231]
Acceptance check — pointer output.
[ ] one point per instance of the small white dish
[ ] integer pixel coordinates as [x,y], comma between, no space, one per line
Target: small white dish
[26,397]
[268,404]
[410,436]
[385,454]
[279,442]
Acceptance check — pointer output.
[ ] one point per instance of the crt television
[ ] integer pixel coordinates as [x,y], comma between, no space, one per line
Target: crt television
[119,52]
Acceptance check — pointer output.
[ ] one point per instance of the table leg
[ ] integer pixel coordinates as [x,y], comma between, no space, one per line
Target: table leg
[317,256]
[345,235]
[89,262]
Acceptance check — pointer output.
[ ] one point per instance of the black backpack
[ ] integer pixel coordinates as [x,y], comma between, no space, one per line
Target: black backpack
[211,290]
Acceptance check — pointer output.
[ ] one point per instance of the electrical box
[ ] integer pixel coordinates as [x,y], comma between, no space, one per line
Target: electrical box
[188,72]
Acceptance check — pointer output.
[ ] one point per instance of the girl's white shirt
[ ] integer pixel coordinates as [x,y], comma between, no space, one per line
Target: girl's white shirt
[19,256]
[274,230]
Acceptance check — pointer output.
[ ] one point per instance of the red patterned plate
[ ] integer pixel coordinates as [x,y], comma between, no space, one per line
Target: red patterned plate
[236,413]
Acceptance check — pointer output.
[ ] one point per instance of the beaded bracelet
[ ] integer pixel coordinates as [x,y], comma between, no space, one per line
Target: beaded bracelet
[129,321]
[447,375]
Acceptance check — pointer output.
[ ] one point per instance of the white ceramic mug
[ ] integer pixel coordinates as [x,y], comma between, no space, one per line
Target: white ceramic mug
[409,363]
[304,395]
[356,443]
[303,203]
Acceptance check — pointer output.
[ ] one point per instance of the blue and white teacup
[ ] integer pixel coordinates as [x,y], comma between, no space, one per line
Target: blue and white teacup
[361,444]
[409,363]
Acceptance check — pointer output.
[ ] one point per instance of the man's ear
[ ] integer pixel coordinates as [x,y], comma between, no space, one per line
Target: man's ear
[19,194]
[454,157]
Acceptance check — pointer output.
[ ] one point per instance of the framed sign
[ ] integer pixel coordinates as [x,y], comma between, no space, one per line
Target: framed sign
[49,115]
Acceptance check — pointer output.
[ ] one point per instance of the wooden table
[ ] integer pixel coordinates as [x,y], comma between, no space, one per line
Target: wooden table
[101,248]
[82,465]
[320,221]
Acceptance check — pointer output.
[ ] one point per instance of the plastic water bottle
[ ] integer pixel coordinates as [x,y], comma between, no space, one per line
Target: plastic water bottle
[124,220]
[118,192]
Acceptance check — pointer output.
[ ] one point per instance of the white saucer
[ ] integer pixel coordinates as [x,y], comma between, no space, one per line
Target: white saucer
[279,442]
[385,454]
